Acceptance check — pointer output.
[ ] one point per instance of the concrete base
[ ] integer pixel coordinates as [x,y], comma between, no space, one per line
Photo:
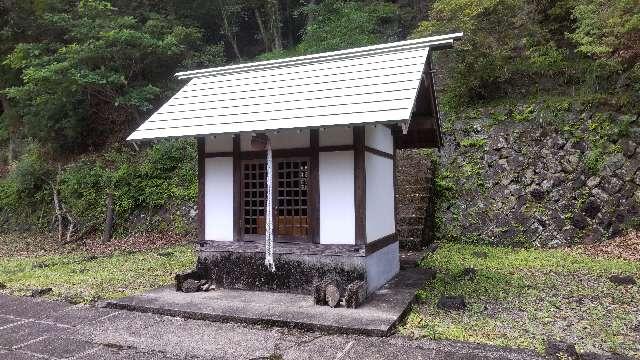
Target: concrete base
[377,317]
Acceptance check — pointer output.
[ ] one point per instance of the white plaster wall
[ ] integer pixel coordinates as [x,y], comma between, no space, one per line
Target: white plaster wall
[337,214]
[218,143]
[218,191]
[337,135]
[382,266]
[380,197]
[285,139]
[379,137]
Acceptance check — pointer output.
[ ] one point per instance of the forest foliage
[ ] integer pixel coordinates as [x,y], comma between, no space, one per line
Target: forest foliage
[76,76]
[584,48]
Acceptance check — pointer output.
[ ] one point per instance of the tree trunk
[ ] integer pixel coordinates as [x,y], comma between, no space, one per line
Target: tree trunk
[57,206]
[263,31]
[12,150]
[310,16]
[108,222]
[290,25]
[229,33]
[234,44]
[273,8]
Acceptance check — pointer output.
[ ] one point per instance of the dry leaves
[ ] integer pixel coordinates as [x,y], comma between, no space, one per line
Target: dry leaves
[624,247]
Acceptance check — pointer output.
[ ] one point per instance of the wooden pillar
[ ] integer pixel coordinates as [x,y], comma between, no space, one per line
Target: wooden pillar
[314,186]
[395,179]
[201,195]
[237,190]
[360,184]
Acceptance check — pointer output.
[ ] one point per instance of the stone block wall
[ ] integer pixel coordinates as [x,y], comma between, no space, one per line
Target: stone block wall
[545,174]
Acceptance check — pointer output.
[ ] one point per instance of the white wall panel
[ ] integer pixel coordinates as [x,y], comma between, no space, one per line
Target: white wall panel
[380,197]
[379,137]
[219,143]
[337,214]
[382,266]
[337,135]
[218,187]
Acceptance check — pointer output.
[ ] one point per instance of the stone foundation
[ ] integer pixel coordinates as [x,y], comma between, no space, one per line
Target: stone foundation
[294,273]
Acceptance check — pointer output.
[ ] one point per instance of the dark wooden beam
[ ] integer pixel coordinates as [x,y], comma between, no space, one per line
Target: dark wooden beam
[423,122]
[378,152]
[380,244]
[218,154]
[360,185]
[331,148]
[293,152]
[434,101]
[314,186]
[418,141]
[201,195]
[237,190]
[278,153]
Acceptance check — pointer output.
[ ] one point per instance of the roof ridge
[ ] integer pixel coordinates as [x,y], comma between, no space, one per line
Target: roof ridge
[442,41]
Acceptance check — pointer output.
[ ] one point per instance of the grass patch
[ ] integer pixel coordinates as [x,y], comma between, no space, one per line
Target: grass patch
[521,297]
[85,278]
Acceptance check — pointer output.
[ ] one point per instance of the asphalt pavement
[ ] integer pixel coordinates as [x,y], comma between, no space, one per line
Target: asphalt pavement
[40,329]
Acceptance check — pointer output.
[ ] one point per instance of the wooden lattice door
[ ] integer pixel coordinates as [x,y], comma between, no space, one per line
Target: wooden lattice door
[292,222]
[254,193]
[290,199]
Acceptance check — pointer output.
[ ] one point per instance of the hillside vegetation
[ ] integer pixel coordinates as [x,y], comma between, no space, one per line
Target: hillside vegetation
[76,76]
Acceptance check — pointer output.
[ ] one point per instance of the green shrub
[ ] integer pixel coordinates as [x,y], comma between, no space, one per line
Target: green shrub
[30,178]
[346,24]
[82,188]
[155,178]
[25,194]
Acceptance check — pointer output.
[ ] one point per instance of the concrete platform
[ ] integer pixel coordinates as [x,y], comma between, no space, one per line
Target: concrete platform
[105,334]
[377,317]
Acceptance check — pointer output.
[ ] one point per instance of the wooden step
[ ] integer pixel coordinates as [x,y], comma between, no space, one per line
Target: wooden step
[413,189]
[410,243]
[405,232]
[410,221]
[412,209]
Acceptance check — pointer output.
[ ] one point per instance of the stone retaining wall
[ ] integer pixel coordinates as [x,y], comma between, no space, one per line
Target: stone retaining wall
[538,174]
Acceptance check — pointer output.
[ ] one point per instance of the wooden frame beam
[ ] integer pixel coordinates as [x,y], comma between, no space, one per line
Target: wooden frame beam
[314,186]
[360,185]
[201,189]
[381,153]
[237,188]
[302,152]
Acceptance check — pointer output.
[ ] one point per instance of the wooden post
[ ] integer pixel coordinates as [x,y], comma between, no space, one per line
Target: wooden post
[360,185]
[237,189]
[314,186]
[201,189]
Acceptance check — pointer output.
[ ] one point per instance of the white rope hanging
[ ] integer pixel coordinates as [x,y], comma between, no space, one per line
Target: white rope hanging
[268,253]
